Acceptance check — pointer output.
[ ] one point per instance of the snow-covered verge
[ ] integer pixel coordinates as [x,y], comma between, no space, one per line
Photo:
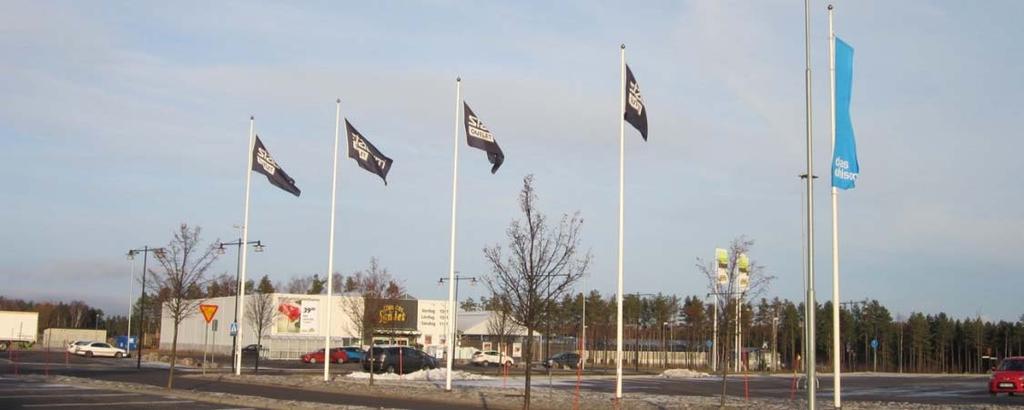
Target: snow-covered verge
[682,374]
[210,397]
[428,375]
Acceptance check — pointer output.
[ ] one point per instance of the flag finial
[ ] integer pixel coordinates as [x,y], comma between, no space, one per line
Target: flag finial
[338,101]
[458,79]
[830,7]
[252,117]
[622,46]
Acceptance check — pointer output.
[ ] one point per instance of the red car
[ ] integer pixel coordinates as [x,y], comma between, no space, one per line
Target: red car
[1008,377]
[338,355]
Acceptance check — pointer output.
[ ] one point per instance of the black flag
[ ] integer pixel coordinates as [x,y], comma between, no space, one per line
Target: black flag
[636,113]
[367,155]
[478,136]
[263,163]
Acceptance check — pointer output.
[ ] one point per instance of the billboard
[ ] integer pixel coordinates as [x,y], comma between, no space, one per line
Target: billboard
[385,314]
[297,316]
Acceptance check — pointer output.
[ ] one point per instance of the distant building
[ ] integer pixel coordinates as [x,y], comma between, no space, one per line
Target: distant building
[301,322]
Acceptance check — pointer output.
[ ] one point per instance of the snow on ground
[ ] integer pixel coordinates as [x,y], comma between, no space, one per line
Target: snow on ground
[430,375]
[682,374]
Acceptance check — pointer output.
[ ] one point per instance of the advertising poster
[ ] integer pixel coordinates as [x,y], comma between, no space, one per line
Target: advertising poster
[392,314]
[517,349]
[296,316]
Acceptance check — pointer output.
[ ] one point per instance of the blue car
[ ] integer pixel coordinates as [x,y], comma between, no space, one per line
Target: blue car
[355,354]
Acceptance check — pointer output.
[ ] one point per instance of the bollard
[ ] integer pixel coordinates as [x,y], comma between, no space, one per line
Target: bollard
[746,386]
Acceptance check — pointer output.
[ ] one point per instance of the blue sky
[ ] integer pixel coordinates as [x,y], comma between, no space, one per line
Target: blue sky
[123,119]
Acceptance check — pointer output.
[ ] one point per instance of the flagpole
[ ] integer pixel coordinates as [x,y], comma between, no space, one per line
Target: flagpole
[810,305]
[836,351]
[622,155]
[330,244]
[451,252]
[240,306]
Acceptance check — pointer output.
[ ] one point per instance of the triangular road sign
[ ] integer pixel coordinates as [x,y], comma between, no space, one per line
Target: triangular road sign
[208,311]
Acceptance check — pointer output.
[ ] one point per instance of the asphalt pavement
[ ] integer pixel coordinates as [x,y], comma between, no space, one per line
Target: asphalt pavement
[923,389]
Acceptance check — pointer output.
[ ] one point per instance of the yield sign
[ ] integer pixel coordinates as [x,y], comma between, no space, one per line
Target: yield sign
[208,311]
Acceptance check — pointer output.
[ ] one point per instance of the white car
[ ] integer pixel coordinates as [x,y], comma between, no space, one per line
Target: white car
[491,357]
[76,344]
[100,349]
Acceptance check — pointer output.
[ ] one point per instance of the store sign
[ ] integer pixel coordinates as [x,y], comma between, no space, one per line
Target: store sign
[392,314]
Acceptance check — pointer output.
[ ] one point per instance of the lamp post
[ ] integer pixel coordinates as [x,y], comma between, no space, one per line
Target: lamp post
[145,250]
[454,315]
[258,246]
[131,291]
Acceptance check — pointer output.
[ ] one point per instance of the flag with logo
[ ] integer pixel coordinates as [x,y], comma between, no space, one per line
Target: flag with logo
[263,163]
[478,136]
[366,155]
[635,109]
[844,157]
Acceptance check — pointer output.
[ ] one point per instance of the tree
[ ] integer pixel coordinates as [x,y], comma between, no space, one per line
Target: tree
[469,305]
[181,274]
[260,312]
[541,265]
[372,287]
[758,282]
[500,321]
[317,286]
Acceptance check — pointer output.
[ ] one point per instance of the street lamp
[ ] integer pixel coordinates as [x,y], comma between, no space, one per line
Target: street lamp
[453,316]
[258,247]
[159,253]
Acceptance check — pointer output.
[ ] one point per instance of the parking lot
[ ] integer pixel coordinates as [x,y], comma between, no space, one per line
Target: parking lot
[32,393]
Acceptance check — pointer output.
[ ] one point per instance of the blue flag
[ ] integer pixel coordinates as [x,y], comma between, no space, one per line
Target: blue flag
[844,159]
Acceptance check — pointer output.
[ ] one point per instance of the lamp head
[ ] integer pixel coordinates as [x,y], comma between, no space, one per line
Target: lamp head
[220,249]
[259,246]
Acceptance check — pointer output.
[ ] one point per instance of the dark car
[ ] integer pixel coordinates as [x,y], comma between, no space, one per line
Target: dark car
[398,359]
[251,350]
[1008,377]
[562,360]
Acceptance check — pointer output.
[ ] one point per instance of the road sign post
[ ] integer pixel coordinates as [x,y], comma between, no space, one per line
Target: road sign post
[874,349]
[208,312]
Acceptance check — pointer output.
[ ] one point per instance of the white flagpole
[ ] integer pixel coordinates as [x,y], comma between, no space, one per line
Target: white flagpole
[622,155]
[330,245]
[836,350]
[240,307]
[810,302]
[451,252]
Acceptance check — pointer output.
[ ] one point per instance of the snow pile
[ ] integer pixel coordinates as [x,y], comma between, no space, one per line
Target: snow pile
[682,374]
[433,374]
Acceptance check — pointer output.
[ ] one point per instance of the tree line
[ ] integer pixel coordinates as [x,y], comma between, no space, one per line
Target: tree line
[918,342]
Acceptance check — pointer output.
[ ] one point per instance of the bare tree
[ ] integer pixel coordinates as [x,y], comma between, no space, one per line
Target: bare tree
[759,282]
[299,284]
[181,275]
[499,323]
[260,313]
[369,289]
[541,265]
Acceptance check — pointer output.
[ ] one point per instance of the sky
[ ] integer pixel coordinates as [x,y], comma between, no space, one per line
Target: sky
[122,120]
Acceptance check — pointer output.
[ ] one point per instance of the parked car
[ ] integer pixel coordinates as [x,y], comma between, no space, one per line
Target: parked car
[100,349]
[337,356]
[398,359]
[354,353]
[251,350]
[562,360]
[1008,377]
[75,344]
[487,358]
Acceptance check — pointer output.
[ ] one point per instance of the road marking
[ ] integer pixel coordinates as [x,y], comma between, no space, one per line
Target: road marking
[120,403]
[33,396]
